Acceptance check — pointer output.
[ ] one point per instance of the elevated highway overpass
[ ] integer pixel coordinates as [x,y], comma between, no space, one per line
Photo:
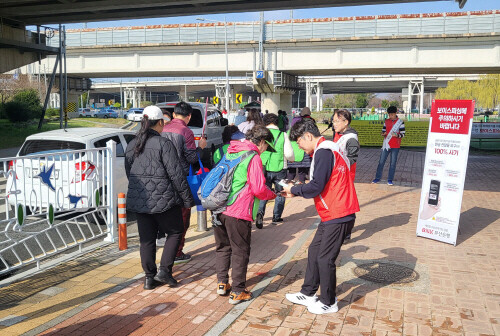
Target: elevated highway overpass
[437,43]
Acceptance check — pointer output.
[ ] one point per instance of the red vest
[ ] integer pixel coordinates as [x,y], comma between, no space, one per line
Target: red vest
[338,199]
[353,166]
[395,142]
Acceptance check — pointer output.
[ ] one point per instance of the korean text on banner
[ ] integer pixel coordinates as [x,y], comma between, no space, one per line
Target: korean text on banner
[445,169]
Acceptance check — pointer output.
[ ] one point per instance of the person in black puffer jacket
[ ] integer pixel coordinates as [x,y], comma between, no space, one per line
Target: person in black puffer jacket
[157,190]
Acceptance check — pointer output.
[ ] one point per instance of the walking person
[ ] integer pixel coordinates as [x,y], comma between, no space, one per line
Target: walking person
[157,191]
[182,137]
[392,131]
[275,164]
[347,139]
[233,235]
[335,199]
[253,118]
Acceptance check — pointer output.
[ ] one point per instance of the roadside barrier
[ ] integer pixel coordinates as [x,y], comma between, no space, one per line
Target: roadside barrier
[122,222]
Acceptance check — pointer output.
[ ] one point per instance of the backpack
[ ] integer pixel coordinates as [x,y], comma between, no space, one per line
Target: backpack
[216,187]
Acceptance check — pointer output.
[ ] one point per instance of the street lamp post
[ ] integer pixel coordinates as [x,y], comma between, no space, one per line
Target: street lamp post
[227,61]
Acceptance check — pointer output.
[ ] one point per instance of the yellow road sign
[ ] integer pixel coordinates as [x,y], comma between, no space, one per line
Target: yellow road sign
[216,100]
[198,100]
[111,102]
[239,98]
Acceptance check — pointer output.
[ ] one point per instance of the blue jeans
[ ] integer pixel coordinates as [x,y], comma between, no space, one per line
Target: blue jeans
[279,202]
[383,157]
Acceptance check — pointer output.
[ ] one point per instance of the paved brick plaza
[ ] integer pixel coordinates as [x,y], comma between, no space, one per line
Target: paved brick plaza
[456,290]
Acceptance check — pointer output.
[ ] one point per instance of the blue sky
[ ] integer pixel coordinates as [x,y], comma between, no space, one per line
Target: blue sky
[406,8]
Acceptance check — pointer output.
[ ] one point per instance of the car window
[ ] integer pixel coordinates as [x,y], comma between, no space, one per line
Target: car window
[39,146]
[119,148]
[196,119]
[129,137]
[168,110]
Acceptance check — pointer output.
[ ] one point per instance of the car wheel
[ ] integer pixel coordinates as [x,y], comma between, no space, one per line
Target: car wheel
[105,117]
[80,116]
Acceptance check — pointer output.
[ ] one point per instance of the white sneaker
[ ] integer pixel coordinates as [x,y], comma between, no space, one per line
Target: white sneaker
[320,308]
[301,299]
[161,242]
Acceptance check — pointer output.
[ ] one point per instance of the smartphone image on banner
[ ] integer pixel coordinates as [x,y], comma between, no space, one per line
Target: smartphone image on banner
[434,192]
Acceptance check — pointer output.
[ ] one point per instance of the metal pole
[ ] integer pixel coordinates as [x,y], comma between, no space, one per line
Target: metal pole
[47,96]
[202,219]
[227,66]
[60,80]
[65,82]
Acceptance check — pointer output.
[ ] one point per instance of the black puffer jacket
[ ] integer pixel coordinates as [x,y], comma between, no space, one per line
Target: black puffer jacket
[156,180]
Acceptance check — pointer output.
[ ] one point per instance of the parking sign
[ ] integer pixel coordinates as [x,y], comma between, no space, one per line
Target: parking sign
[259,74]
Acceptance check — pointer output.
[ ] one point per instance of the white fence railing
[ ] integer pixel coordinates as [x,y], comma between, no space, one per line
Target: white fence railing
[55,201]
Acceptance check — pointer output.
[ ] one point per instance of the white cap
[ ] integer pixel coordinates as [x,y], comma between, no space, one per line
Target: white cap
[153,113]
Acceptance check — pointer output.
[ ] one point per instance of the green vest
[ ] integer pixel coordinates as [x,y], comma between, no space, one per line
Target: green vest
[217,153]
[274,161]
[240,180]
[297,152]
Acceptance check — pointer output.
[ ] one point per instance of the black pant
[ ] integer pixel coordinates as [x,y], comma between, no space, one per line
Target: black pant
[232,246]
[169,222]
[321,271]
[301,172]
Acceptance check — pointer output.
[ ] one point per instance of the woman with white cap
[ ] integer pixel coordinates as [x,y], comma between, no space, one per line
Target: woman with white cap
[157,191]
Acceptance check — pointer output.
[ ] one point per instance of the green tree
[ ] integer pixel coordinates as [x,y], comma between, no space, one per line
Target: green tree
[129,106]
[488,91]
[458,89]
[344,100]
[82,102]
[145,103]
[118,105]
[385,103]
[24,106]
[329,103]
[361,100]
[394,103]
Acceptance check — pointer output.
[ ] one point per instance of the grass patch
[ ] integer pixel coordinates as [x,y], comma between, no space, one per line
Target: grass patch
[13,135]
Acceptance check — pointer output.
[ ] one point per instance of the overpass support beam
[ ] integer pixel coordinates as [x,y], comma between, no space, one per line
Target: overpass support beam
[276,101]
[416,88]
[317,90]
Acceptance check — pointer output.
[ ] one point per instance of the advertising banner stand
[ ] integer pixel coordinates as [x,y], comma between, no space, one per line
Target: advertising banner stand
[445,169]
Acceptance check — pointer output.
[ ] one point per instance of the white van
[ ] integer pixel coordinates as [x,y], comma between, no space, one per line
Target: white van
[214,126]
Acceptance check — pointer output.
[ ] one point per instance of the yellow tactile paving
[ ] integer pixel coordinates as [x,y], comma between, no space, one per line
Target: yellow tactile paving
[78,289]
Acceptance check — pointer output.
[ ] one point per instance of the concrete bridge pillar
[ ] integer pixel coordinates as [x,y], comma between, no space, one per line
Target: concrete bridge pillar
[276,101]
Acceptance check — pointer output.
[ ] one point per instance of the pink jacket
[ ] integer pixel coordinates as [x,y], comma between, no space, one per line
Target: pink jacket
[255,186]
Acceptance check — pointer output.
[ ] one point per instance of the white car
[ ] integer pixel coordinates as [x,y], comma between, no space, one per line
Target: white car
[65,181]
[135,114]
[86,112]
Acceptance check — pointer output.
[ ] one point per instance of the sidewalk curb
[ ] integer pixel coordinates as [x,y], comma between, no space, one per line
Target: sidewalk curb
[235,312]
[126,125]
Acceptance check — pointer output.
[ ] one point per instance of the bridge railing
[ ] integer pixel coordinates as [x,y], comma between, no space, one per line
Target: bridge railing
[328,28]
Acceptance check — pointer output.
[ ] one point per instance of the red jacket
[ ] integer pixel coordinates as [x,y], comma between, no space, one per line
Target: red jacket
[352,167]
[395,142]
[338,199]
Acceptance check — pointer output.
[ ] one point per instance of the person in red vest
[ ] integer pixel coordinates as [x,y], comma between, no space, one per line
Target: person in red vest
[347,139]
[335,198]
[393,131]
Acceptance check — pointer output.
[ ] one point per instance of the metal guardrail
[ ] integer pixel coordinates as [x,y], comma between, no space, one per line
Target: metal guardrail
[329,28]
[53,202]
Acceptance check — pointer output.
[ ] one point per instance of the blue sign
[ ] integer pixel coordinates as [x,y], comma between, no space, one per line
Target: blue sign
[259,74]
